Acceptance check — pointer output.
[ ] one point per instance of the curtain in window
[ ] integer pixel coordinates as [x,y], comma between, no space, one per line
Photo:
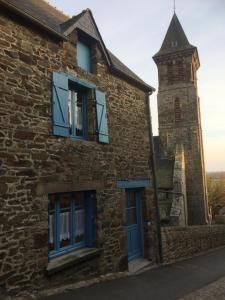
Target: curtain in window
[80,222]
[64,226]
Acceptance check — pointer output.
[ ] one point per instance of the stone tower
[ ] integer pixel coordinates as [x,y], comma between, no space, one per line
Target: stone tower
[179,114]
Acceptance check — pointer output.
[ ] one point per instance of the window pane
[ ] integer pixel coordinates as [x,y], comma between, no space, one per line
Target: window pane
[131,202]
[64,220]
[84,56]
[79,217]
[131,216]
[51,221]
[79,197]
[79,114]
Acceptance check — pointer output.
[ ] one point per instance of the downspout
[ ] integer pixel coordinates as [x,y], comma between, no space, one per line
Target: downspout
[152,160]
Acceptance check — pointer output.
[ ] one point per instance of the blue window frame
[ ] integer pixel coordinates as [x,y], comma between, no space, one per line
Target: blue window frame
[70,108]
[71,222]
[84,56]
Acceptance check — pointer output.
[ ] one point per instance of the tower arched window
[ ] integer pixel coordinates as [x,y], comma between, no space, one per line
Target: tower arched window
[174,44]
[177,110]
[175,71]
[170,73]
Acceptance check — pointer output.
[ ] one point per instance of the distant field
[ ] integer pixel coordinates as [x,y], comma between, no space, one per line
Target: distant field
[220,176]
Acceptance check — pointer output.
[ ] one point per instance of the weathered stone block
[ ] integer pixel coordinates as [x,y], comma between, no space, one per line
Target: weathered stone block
[24,135]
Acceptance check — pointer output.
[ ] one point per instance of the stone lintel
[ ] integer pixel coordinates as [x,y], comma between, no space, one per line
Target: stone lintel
[59,187]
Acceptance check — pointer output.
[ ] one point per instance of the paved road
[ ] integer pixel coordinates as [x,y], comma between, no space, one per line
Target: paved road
[164,283]
[215,291]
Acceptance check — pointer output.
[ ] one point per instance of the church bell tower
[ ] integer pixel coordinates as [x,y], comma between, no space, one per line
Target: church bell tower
[179,114]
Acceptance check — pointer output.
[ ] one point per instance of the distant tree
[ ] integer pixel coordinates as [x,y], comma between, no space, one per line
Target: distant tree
[216,194]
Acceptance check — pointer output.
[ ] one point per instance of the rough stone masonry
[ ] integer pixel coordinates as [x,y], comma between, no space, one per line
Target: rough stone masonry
[34,163]
[179,115]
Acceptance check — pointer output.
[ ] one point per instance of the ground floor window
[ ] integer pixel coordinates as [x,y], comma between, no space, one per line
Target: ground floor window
[71,222]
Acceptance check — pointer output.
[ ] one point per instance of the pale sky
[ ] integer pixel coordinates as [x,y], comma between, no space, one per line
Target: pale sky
[134,30]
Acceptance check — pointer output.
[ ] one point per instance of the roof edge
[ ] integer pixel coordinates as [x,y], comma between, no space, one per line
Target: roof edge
[101,39]
[166,54]
[62,37]
[146,87]
[32,19]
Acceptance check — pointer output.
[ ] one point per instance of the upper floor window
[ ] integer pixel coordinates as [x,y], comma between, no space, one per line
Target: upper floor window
[177,110]
[84,56]
[77,106]
[175,72]
[71,111]
[174,43]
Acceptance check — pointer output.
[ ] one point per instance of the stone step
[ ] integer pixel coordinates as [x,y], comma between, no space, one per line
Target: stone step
[139,265]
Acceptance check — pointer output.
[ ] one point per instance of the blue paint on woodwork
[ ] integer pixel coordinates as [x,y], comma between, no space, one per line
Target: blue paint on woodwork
[90,205]
[132,184]
[79,83]
[102,122]
[84,56]
[134,231]
[60,114]
[90,219]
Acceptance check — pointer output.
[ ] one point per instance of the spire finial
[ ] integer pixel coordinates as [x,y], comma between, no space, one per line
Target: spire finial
[174,6]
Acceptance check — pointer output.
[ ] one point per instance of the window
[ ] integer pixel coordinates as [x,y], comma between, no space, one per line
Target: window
[77,109]
[131,214]
[72,112]
[177,110]
[84,56]
[71,222]
[170,73]
[174,43]
[175,72]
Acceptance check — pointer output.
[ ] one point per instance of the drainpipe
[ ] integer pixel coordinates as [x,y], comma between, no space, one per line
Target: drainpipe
[152,160]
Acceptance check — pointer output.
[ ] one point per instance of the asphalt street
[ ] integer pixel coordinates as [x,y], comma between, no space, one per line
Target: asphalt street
[163,283]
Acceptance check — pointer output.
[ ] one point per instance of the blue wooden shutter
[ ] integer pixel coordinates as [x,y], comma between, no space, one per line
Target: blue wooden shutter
[90,203]
[102,122]
[60,110]
[84,56]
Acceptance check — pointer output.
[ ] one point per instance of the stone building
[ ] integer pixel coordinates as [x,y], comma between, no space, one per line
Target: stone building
[76,179]
[180,159]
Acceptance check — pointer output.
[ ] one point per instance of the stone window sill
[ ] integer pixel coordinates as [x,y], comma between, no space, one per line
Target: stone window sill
[71,259]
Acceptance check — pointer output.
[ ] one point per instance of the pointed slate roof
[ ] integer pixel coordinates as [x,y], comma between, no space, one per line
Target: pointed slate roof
[175,39]
[46,16]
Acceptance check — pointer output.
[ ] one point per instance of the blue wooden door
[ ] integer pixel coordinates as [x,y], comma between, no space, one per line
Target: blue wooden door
[133,224]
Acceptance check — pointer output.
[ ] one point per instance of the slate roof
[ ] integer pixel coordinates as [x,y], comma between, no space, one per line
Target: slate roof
[69,22]
[164,167]
[42,11]
[56,20]
[175,39]
[123,68]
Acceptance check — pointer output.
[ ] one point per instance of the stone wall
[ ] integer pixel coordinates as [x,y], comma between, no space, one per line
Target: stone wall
[35,163]
[179,203]
[183,242]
